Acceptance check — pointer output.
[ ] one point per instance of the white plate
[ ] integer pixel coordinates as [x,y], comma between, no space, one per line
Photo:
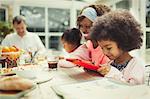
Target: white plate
[43,77]
[28,74]
[37,76]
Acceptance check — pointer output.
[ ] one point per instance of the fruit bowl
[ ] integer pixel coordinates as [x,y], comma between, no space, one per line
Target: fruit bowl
[11,55]
[11,58]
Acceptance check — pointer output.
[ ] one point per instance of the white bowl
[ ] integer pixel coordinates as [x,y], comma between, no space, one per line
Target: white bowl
[29,73]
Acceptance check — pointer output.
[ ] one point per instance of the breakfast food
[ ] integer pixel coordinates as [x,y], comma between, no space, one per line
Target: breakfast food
[5,71]
[9,49]
[11,54]
[2,62]
[15,83]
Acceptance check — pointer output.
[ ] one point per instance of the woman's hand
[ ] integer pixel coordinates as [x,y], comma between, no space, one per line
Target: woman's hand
[104,70]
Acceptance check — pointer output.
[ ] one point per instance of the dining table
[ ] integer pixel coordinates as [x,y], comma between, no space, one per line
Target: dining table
[76,83]
[58,76]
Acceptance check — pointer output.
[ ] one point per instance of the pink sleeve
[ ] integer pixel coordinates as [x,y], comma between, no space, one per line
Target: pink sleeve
[115,74]
[132,74]
[81,53]
[97,54]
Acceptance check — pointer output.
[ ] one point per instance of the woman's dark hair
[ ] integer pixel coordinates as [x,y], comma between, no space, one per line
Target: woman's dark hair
[118,26]
[99,8]
[72,36]
[18,19]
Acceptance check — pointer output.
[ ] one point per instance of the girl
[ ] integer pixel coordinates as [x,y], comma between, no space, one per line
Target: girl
[84,22]
[71,43]
[118,33]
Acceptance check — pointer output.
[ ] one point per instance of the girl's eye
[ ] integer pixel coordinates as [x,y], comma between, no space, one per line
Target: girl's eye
[109,48]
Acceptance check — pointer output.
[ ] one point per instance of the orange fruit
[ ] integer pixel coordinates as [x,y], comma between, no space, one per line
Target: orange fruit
[12,49]
[5,49]
[17,49]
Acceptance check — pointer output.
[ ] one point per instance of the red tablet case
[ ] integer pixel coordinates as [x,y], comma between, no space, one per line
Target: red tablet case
[83,64]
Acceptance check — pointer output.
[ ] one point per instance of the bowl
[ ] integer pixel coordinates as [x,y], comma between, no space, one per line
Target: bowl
[25,73]
[11,58]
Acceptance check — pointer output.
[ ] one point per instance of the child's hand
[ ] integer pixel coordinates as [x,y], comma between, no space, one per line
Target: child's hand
[104,70]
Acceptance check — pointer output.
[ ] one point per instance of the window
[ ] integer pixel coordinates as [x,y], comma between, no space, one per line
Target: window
[124,4]
[58,19]
[2,19]
[55,42]
[147,23]
[48,23]
[42,39]
[35,18]
[78,12]
[2,14]
[147,39]
[147,13]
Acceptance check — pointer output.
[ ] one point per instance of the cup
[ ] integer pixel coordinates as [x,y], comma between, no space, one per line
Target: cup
[52,64]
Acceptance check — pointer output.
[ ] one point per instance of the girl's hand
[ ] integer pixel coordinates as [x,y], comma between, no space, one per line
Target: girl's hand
[104,70]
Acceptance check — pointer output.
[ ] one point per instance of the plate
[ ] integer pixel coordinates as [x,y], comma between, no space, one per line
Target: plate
[28,74]
[6,72]
[33,73]
[43,77]
[14,94]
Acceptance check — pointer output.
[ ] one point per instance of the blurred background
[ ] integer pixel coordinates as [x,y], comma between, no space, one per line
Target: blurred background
[49,18]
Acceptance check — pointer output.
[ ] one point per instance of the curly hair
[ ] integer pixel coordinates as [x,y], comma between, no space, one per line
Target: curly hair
[118,26]
[72,36]
[99,8]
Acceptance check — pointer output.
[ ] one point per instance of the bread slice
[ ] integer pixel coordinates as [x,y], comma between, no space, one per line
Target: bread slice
[15,83]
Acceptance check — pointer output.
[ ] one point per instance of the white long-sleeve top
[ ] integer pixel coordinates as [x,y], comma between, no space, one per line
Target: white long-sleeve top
[132,74]
[28,42]
[80,53]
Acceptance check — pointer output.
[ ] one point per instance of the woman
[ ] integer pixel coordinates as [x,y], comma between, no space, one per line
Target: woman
[84,22]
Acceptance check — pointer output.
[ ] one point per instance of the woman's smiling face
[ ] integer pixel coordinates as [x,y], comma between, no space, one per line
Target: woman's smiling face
[85,26]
